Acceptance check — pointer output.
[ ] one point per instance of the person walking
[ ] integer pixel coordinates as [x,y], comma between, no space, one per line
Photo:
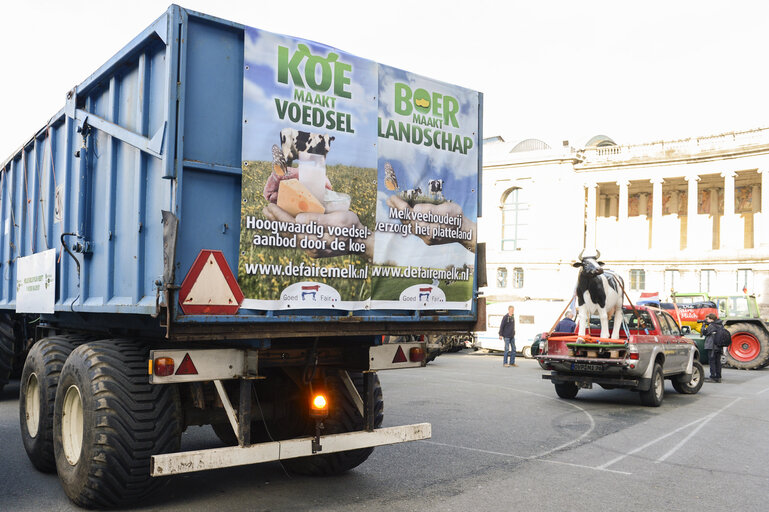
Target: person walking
[507,333]
[567,324]
[710,330]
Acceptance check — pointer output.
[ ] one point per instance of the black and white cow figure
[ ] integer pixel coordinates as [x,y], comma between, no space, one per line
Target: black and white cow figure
[435,188]
[412,194]
[599,292]
[293,141]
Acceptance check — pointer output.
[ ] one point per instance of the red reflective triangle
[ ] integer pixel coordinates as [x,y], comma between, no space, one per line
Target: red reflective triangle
[187,367]
[400,357]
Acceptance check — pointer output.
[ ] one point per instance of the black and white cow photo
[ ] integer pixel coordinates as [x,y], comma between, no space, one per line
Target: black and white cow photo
[293,141]
[435,188]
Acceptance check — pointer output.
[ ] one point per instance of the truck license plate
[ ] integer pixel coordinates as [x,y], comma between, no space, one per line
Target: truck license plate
[587,367]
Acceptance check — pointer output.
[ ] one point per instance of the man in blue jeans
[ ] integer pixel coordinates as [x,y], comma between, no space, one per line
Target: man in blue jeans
[507,333]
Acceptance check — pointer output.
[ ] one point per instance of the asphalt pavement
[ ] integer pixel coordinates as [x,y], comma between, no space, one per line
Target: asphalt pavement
[502,440]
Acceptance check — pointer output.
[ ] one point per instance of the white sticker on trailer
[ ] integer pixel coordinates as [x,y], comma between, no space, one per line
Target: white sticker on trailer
[36,283]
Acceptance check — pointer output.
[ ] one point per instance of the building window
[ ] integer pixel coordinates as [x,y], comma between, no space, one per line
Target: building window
[515,214]
[518,277]
[501,277]
[672,278]
[744,280]
[637,279]
[707,280]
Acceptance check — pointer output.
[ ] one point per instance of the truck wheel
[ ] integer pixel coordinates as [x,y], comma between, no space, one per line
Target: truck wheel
[750,347]
[566,389]
[343,417]
[39,380]
[7,349]
[694,385]
[108,421]
[527,352]
[656,393]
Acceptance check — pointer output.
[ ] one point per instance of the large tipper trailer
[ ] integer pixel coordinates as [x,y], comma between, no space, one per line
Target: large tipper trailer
[167,263]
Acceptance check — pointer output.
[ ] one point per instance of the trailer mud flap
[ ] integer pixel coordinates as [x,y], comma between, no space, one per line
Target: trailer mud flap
[200,460]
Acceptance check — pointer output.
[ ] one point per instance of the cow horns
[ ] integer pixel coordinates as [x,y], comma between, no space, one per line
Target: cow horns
[580,255]
[597,254]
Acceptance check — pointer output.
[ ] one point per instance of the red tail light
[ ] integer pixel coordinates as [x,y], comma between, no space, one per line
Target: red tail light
[634,355]
[164,366]
[416,354]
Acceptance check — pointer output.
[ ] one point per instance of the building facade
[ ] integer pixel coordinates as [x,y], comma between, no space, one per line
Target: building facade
[687,215]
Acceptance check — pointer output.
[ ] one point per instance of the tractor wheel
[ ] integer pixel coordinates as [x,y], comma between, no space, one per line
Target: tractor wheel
[343,417]
[694,385]
[750,346]
[108,421]
[39,381]
[566,389]
[656,393]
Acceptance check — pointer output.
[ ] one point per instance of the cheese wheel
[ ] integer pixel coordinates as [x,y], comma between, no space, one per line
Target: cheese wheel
[295,198]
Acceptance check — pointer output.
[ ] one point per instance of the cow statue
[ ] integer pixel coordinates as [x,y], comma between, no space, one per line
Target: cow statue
[599,291]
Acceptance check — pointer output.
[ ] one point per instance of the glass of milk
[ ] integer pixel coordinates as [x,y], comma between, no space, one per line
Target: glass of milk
[312,174]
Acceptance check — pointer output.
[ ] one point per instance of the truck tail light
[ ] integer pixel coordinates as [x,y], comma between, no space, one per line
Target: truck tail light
[164,366]
[319,406]
[416,354]
[634,356]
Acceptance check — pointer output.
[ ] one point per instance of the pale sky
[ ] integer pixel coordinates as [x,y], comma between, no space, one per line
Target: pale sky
[554,70]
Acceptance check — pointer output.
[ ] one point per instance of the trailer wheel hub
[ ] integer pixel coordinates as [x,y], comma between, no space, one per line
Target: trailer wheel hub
[32,405]
[72,425]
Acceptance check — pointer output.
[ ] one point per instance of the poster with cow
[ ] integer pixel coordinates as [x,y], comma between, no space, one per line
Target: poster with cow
[341,210]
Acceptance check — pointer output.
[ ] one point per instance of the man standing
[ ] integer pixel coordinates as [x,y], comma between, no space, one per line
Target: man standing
[710,330]
[567,324]
[507,333]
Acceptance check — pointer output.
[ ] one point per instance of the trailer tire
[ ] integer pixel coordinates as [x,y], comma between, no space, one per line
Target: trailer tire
[653,396]
[694,384]
[39,380]
[7,349]
[750,347]
[343,417]
[566,389]
[109,421]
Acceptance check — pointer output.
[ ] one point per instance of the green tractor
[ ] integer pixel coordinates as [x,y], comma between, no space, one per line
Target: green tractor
[739,313]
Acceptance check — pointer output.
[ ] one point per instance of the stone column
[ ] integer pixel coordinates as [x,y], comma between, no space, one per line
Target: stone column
[691,212]
[590,216]
[761,227]
[622,206]
[729,238]
[656,223]
[612,206]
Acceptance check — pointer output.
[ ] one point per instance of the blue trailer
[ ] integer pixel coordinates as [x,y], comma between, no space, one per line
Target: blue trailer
[159,272]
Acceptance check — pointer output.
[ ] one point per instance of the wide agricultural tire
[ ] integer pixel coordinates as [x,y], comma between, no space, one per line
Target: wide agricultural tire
[343,417]
[566,389]
[750,347]
[7,349]
[654,396]
[109,421]
[39,380]
[694,384]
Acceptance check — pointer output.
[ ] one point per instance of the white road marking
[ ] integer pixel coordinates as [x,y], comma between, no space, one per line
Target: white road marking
[520,457]
[762,391]
[548,397]
[697,429]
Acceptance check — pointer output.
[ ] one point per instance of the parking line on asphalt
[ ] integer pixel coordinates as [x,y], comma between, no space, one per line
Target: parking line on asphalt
[697,429]
[521,457]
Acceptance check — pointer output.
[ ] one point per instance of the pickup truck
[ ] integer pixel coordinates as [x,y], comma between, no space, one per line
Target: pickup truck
[651,349]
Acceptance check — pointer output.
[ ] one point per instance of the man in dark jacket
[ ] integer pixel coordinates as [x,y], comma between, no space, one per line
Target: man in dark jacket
[507,333]
[567,324]
[710,330]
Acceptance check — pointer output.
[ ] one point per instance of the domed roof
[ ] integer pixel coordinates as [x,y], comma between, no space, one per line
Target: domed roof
[530,145]
[600,141]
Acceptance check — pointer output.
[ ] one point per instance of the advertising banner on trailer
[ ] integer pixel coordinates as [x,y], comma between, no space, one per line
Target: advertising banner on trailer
[359,182]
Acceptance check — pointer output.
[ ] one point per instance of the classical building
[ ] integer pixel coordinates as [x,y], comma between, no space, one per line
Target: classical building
[685,215]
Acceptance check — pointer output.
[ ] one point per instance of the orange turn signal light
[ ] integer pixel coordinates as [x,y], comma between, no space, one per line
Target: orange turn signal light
[164,366]
[416,354]
[319,406]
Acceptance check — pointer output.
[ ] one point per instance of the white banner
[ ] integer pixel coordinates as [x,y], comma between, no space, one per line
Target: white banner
[36,283]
